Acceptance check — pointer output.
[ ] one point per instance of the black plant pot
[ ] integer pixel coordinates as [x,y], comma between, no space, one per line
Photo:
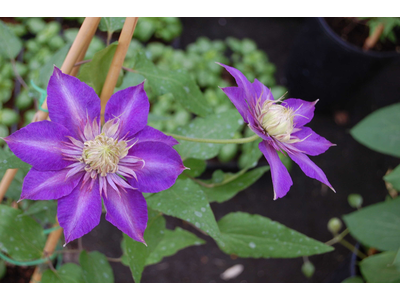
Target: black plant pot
[323,66]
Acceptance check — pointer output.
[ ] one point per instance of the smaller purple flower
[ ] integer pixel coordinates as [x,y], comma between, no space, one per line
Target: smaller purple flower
[78,162]
[281,126]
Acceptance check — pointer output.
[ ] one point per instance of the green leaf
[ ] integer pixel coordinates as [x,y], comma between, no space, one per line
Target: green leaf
[218,126]
[68,273]
[380,130]
[111,24]
[95,72]
[394,178]
[95,267]
[47,70]
[250,152]
[379,268]
[173,241]
[187,201]
[130,79]
[44,211]
[231,184]
[21,237]
[3,269]
[13,162]
[354,279]
[10,44]
[377,225]
[136,253]
[256,236]
[179,83]
[196,166]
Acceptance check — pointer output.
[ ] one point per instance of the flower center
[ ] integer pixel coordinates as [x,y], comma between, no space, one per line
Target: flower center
[103,154]
[277,120]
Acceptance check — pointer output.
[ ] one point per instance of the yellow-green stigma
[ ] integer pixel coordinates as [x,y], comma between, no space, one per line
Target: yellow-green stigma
[277,120]
[103,154]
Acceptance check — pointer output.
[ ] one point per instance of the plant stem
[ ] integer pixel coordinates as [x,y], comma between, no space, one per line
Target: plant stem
[26,263]
[19,78]
[338,237]
[215,141]
[112,259]
[353,249]
[371,41]
[212,185]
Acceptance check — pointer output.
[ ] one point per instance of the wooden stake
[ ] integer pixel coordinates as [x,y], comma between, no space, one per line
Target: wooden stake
[116,64]
[371,41]
[6,181]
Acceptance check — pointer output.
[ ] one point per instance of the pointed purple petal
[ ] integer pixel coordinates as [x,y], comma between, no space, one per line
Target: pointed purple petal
[162,167]
[150,134]
[80,211]
[48,185]
[280,176]
[313,144]
[237,97]
[242,81]
[262,92]
[304,110]
[39,144]
[70,101]
[131,106]
[309,168]
[127,212]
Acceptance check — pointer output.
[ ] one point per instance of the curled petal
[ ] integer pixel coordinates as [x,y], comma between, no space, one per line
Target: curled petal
[71,102]
[237,97]
[312,143]
[48,185]
[80,211]
[127,211]
[309,168]
[131,106]
[261,92]
[39,144]
[304,110]
[281,179]
[162,167]
[150,134]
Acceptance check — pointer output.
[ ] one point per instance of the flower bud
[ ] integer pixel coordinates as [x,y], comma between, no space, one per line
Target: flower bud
[334,225]
[308,269]
[355,200]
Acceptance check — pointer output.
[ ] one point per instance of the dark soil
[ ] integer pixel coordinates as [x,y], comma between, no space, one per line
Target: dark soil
[356,31]
[16,274]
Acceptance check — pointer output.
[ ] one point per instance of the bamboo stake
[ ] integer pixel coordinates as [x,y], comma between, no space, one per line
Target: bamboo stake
[109,85]
[78,48]
[371,41]
[116,64]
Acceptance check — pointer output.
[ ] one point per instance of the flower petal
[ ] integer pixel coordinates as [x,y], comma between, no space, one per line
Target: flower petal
[80,211]
[131,106]
[70,102]
[262,92]
[48,185]
[304,110]
[150,134]
[162,166]
[237,97]
[309,168]
[39,144]
[242,82]
[127,211]
[281,179]
[313,144]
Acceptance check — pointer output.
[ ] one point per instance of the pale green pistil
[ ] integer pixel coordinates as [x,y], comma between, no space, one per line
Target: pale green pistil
[103,154]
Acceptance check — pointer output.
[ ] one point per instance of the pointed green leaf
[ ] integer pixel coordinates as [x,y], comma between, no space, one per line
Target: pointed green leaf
[111,24]
[196,166]
[95,267]
[250,152]
[380,130]
[94,73]
[10,44]
[354,279]
[173,241]
[256,236]
[231,184]
[377,225]
[187,201]
[180,84]
[135,252]
[379,268]
[13,162]
[130,79]
[43,211]
[218,126]
[68,273]
[21,237]
[394,178]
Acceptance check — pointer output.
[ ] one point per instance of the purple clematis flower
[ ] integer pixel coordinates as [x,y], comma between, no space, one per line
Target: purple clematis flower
[77,162]
[281,126]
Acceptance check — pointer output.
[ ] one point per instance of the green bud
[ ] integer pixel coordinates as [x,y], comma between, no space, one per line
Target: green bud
[334,225]
[308,269]
[8,117]
[355,200]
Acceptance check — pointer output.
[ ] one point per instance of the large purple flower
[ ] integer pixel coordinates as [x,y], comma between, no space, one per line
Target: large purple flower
[77,162]
[281,126]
